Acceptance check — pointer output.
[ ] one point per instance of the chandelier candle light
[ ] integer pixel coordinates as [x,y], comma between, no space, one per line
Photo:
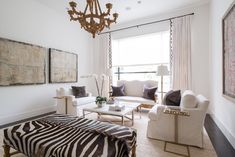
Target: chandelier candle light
[92,19]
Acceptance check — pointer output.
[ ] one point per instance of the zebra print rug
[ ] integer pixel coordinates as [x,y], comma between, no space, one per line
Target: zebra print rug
[59,136]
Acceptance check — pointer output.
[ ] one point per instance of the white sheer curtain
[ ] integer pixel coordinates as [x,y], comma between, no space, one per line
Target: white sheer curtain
[102,59]
[181,53]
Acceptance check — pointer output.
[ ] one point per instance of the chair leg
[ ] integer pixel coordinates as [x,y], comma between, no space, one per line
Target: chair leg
[6,151]
[137,109]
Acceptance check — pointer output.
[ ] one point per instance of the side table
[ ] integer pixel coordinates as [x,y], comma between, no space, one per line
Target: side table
[176,112]
[66,102]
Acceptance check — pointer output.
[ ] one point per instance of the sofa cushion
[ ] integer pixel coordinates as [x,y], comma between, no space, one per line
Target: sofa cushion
[118,90]
[135,87]
[188,99]
[84,101]
[135,100]
[172,98]
[79,91]
[149,93]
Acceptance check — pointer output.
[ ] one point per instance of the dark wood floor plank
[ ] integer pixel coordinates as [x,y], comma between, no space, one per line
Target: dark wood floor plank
[25,120]
[222,146]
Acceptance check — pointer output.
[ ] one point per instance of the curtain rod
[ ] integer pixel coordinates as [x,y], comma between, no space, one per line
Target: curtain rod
[116,30]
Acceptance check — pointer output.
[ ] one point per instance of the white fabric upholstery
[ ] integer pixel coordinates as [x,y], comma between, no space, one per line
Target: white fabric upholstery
[161,125]
[83,101]
[135,88]
[188,99]
[134,91]
[135,99]
[75,105]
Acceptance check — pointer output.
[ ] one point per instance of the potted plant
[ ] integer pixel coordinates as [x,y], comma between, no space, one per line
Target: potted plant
[100,101]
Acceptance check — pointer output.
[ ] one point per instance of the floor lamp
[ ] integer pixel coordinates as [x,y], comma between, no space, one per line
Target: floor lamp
[162,70]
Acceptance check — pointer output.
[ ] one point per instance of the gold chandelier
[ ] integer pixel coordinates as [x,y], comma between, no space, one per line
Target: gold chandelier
[92,19]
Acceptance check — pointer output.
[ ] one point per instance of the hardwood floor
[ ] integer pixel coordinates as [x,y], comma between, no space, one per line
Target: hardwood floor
[222,146]
[25,120]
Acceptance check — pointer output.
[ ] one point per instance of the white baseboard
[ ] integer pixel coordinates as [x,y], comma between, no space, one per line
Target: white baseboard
[226,133]
[25,115]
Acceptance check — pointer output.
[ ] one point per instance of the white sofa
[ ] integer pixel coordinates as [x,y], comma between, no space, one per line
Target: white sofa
[190,129]
[134,91]
[74,105]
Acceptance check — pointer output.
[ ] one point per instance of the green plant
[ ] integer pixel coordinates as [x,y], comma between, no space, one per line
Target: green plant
[100,99]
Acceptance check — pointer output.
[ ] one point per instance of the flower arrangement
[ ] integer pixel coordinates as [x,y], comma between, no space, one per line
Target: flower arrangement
[100,99]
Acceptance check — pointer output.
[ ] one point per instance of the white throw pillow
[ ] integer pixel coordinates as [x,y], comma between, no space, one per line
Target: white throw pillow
[188,99]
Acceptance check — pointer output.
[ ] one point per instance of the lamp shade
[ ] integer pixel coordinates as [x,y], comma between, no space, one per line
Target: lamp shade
[162,70]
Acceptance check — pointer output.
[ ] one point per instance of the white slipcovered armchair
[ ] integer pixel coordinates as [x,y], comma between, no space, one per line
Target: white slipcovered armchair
[74,105]
[190,128]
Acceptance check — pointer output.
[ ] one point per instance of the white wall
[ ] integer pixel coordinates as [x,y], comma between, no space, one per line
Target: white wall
[33,22]
[222,110]
[200,41]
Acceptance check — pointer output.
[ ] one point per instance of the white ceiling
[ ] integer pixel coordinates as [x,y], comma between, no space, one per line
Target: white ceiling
[145,9]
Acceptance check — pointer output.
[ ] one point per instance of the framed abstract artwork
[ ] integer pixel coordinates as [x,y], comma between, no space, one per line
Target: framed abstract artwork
[21,63]
[63,66]
[228,26]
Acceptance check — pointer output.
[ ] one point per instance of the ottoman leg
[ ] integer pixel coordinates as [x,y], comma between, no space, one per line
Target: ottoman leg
[133,153]
[6,151]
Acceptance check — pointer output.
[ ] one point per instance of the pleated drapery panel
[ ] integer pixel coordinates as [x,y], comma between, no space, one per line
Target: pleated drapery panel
[181,53]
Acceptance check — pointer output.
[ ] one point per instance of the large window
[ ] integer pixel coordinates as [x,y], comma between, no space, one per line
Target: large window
[137,58]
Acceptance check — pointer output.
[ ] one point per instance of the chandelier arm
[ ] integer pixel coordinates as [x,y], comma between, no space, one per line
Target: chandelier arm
[75,11]
[110,20]
[73,6]
[74,15]
[106,13]
[96,9]
[91,7]
[108,6]
[99,7]
[113,20]
[85,9]
[74,18]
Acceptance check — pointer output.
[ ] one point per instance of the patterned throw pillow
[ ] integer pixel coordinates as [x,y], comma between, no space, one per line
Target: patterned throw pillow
[172,98]
[149,93]
[79,91]
[118,91]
